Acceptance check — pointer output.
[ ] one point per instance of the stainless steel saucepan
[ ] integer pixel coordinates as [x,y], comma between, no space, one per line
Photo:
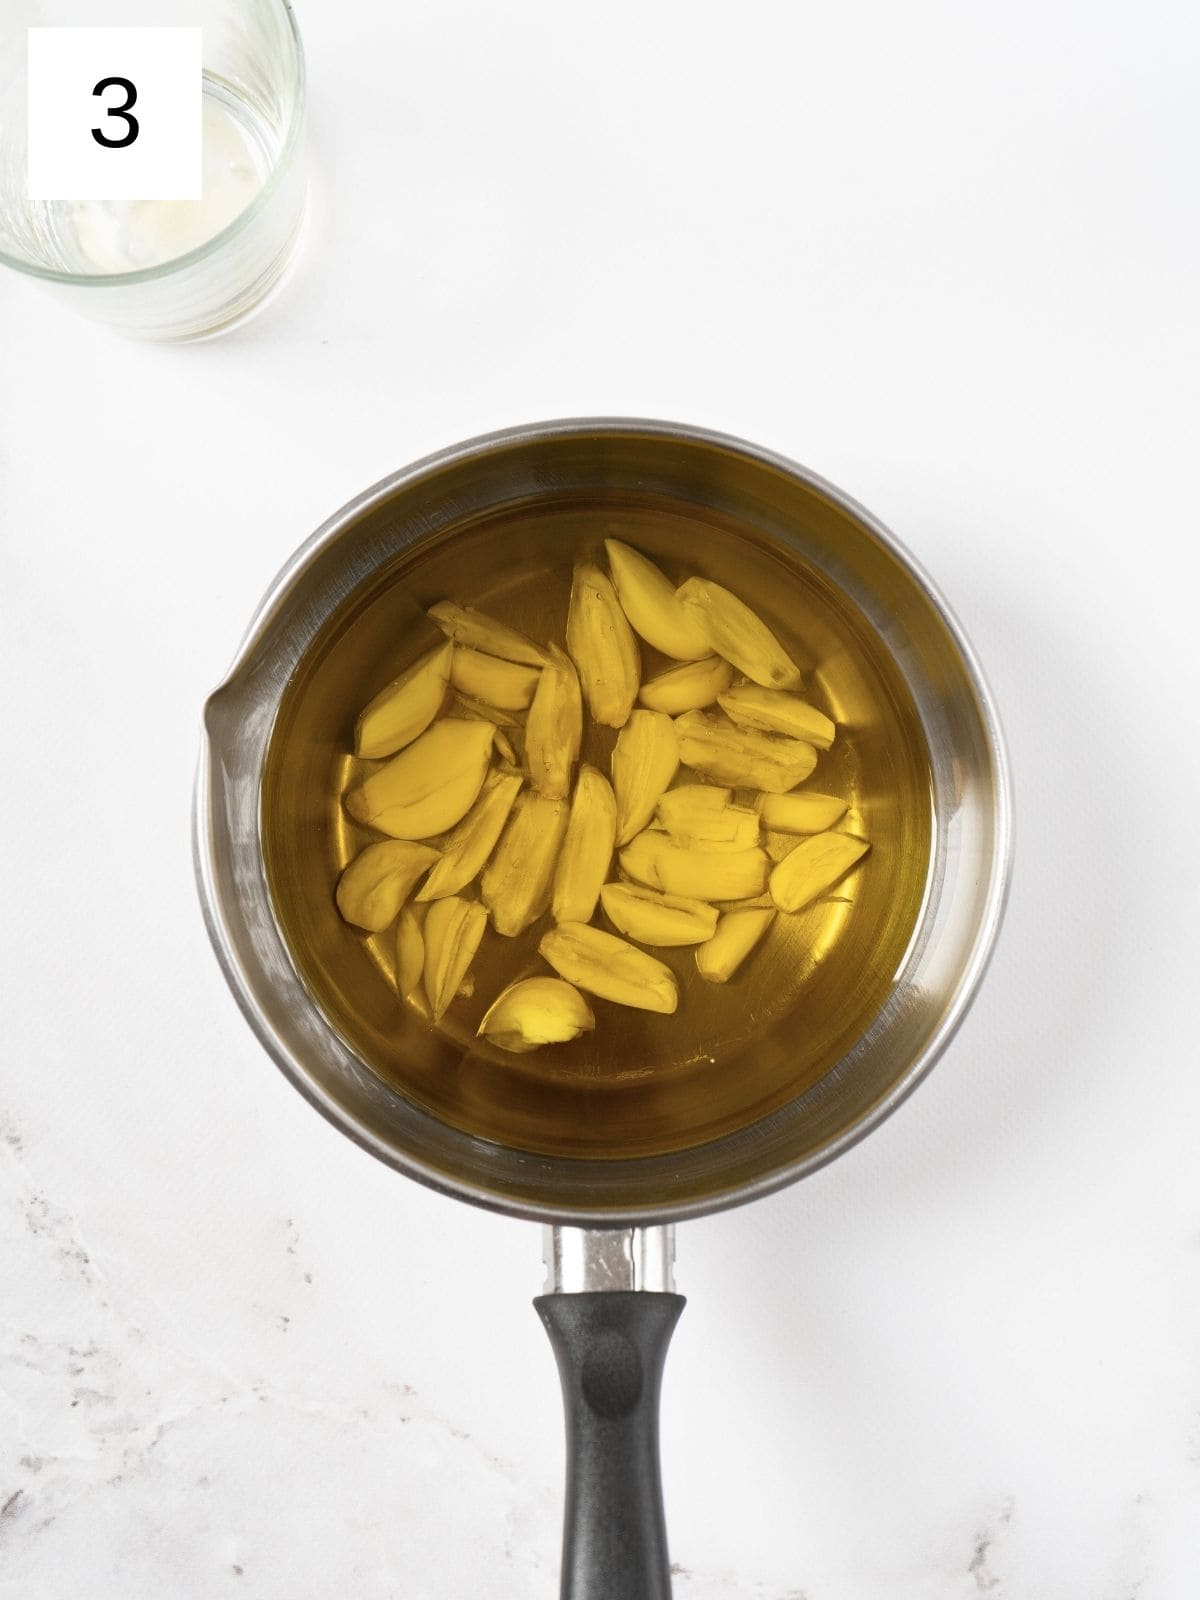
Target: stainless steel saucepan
[652,1119]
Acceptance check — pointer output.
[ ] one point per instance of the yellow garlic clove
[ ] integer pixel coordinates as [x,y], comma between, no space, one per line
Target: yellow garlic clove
[738,634]
[644,760]
[402,711]
[737,934]
[601,644]
[476,711]
[505,684]
[587,849]
[742,757]
[778,845]
[410,951]
[555,727]
[516,881]
[655,859]
[649,600]
[453,929]
[505,748]
[609,967]
[800,813]
[379,880]
[534,1012]
[472,842]
[693,818]
[654,918]
[688,687]
[695,801]
[429,786]
[814,867]
[777,711]
[477,631]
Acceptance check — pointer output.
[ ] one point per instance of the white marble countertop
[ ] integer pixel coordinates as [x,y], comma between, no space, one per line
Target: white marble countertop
[946,256]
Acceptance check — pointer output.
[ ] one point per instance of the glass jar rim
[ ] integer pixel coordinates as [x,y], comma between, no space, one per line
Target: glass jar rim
[200,252]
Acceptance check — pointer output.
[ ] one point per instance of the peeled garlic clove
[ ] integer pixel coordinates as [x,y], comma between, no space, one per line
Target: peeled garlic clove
[742,757]
[777,711]
[644,760]
[472,842]
[501,721]
[505,684]
[601,644]
[737,934]
[476,711]
[555,727]
[649,600]
[505,748]
[378,881]
[691,802]
[429,786]
[410,951]
[606,966]
[478,631]
[738,634]
[587,849]
[654,918]
[800,813]
[692,818]
[534,1012]
[402,711]
[689,687]
[453,929]
[516,881]
[655,859]
[814,867]
[778,845]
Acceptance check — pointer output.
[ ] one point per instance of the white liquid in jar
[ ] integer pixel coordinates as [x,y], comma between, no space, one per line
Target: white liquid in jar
[108,236]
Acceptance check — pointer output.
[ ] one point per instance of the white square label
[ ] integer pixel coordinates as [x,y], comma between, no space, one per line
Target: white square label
[115,114]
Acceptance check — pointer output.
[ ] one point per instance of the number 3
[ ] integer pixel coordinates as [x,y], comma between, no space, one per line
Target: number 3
[118,111]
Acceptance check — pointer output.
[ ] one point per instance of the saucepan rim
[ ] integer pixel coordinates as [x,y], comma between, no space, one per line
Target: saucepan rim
[971,970]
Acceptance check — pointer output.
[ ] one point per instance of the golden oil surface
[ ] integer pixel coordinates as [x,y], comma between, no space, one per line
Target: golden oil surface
[641,1083]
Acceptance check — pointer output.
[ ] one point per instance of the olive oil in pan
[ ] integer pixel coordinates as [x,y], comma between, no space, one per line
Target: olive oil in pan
[639,1083]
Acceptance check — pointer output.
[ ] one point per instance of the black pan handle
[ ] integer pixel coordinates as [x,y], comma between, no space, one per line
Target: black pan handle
[610,1347]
